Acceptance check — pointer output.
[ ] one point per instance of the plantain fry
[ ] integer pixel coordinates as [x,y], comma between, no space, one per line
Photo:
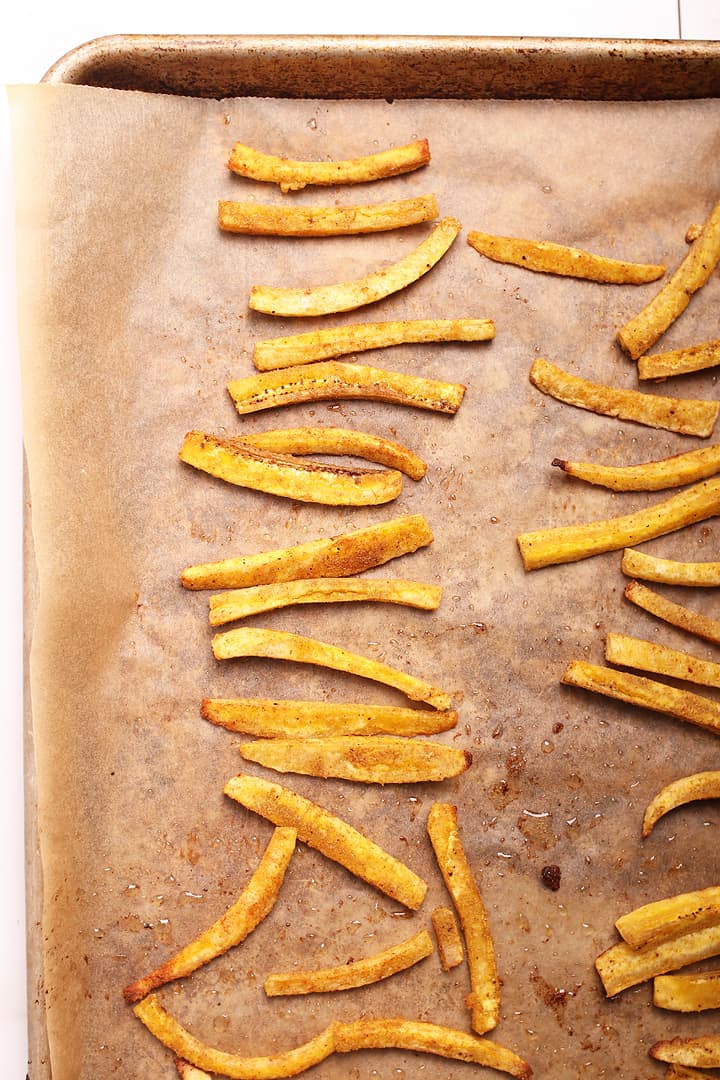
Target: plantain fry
[449,942]
[259,219]
[664,920]
[318,440]
[551,258]
[680,361]
[337,556]
[331,836]
[671,572]
[703,785]
[621,966]
[687,993]
[686,619]
[349,295]
[668,472]
[268,719]
[283,645]
[702,1051]
[683,415]
[370,969]
[568,543]
[661,660]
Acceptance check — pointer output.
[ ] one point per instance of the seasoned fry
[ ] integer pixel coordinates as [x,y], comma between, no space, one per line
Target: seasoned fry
[269,719]
[259,219]
[293,175]
[349,295]
[637,335]
[550,258]
[621,966]
[687,993]
[449,942]
[683,415]
[703,785]
[703,1051]
[331,836]
[334,379]
[318,440]
[336,341]
[650,656]
[283,645]
[692,621]
[239,603]
[254,903]
[680,361]
[371,969]
[647,693]
[337,556]
[651,568]
[668,472]
[681,1072]
[664,920]
[484,997]
[370,759]
[237,462]
[568,543]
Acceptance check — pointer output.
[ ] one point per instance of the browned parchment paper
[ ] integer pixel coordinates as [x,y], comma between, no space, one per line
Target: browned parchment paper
[133,313]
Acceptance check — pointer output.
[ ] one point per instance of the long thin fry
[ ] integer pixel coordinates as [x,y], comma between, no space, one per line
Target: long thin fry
[550,258]
[664,920]
[318,440]
[691,621]
[703,785]
[680,361]
[621,966]
[651,568]
[652,656]
[449,942]
[687,993]
[702,1051]
[331,836]
[259,219]
[268,719]
[668,472]
[283,645]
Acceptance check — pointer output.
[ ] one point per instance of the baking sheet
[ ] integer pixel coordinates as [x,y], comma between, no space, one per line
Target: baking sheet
[133,317]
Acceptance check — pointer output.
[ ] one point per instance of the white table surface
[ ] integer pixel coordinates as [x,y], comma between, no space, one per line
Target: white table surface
[32,37]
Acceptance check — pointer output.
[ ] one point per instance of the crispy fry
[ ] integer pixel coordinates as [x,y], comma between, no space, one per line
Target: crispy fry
[283,645]
[349,295]
[687,993]
[449,942]
[703,1051]
[331,836]
[337,556]
[683,415]
[691,621]
[703,785]
[259,219]
[293,175]
[318,440]
[336,341]
[681,1072]
[637,335]
[371,969]
[680,361]
[621,966]
[287,719]
[568,543]
[484,997]
[371,759]
[651,568]
[239,603]
[254,903]
[668,472]
[661,660]
[647,693]
[550,258]
[664,920]
[336,380]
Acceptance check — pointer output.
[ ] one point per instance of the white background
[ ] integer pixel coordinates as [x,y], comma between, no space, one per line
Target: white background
[32,37]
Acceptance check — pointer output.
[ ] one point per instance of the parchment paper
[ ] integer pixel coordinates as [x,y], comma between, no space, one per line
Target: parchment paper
[133,316]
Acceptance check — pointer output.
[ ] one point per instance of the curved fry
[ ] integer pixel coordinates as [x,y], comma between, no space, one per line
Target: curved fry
[680,361]
[664,920]
[702,1051]
[687,993]
[319,440]
[661,660]
[621,966]
[349,295]
[703,785]
[288,719]
[651,568]
[668,472]
[258,219]
[675,614]
[551,258]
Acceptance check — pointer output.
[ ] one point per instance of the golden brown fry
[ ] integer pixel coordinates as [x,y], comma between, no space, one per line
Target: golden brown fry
[637,335]
[484,997]
[371,969]
[318,440]
[349,295]
[651,568]
[293,175]
[681,1072]
[336,341]
[337,556]
[664,920]
[692,621]
[551,258]
[704,785]
[287,719]
[687,993]
[259,219]
[336,380]
[621,966]
[283,645]
[331,836]
[568,543]
[661,660]
[680,361]
[668,472]
[702,1051]
[684,415]
[239,603]
[647,693]
[254,903]
[449,942]
[370,759]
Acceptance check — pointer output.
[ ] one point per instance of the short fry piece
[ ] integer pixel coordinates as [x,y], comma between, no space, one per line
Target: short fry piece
[680,361]
[551,258]
[371,969]
[703,785]
[621,966]
[641,332]
[337,556]
[259,219]
[190,1072]
[547,547]
[239,603]
[684,415]
[269,719]
[703,1051]
[484,998]
[283,645]
[687,993]
[661,660]
[649,567]
[293,175]
[254,903]
[669,472]
[336,380]
[318,440]
[336,341]
[692,621]
[370,759]
[349,295]
[331,836]
[449,942]
[666,919]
